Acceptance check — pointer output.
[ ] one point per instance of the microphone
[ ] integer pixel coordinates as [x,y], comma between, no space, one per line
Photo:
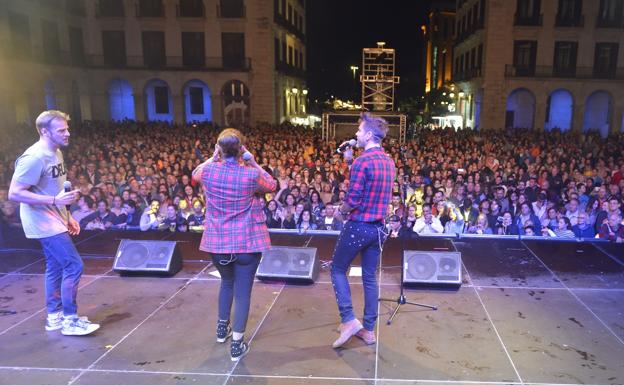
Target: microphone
[67,186]
[346,145]
[247,156]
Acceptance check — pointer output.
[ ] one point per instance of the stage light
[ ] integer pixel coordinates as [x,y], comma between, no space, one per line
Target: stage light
[461,94]
[305,91]
[295,90]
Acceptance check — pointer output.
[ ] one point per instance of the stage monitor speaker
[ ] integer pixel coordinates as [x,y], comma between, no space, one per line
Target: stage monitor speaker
[432,267]
[292,264]
[137,257]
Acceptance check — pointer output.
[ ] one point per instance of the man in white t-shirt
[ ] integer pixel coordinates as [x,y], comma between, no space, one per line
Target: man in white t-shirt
[38,185]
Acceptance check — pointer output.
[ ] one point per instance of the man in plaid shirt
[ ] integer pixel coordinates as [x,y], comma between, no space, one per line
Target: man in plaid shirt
[235,230]
[366,205]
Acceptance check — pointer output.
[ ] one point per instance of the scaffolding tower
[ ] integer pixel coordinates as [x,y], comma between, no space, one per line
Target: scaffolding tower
[378,81]
[378,78]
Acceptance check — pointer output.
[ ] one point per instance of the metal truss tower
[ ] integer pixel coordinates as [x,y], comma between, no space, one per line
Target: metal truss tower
[378,78]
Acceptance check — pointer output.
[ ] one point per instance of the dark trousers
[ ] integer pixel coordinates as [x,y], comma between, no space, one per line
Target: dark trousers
[365,238]
[237,277]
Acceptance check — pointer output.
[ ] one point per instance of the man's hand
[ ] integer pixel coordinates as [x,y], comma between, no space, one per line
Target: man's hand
[72,226]
[216,155]
[66,198]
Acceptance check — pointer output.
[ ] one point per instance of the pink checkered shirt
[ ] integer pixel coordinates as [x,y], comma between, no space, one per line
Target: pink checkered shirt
[235,220]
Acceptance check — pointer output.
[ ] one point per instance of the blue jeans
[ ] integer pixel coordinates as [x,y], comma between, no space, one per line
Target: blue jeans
[365,238]
[63,271]
[237,277]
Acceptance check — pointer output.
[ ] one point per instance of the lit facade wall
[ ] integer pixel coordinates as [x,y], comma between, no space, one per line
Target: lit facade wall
[533,49]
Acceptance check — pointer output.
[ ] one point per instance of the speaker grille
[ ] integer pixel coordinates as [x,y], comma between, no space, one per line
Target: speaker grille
[142,256]
[432,267]
[296,263]
[134,255]
[421,267]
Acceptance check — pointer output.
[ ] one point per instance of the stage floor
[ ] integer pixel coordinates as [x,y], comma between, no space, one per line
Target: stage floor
[527,313]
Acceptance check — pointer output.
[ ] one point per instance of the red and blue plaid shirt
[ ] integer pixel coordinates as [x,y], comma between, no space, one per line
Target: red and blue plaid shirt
[235,220]
[370,185]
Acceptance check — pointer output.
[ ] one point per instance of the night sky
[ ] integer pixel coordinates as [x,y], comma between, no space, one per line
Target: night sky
[337,30]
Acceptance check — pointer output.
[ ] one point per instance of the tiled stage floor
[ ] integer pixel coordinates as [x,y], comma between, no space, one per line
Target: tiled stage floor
[528,312]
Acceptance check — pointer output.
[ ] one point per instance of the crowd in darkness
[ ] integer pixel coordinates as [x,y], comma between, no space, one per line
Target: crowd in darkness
[137,176]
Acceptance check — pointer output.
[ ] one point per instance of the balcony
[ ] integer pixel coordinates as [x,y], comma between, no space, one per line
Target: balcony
[541,72]
[533,20]
[609,23]
[289,70]
[177,63]
[467,74]
[104,8]
[575,22]
[149,11]
[469,31]
[284,23]
[195,11]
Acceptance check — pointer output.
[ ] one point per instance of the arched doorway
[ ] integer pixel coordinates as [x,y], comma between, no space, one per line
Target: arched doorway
[598,111]
[235,95]
[121,100]
[197,102]
[158,101]
[520,109]
[559,111]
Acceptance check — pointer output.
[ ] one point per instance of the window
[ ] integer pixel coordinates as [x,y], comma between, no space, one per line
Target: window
[290,55]
[278,57]
[51,44]
[528,12]
[114,48]
[231,9]
[233,48]
[610,14]
[110,8]
[154,54]
[20,35]
[193,52]
[191,8]
[524,57]
[161,99]
[564,62]
[76,46]
[196,95]
[569,13]
[480,56]
[605,60]
[75,6]
[151,8]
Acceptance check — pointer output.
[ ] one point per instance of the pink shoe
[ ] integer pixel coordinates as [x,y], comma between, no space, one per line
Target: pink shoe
[347,330]
[367,336]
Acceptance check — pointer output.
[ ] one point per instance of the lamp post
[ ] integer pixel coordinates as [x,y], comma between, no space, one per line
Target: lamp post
[354,69]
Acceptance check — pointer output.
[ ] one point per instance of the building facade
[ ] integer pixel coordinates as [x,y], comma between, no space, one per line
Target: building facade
[229,61]
[439,39]
[540,64]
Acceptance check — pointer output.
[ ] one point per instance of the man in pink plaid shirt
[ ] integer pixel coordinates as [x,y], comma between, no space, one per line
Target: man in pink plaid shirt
[235,231]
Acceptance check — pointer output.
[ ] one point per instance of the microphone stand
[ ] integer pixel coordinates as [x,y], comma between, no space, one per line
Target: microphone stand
[402,300]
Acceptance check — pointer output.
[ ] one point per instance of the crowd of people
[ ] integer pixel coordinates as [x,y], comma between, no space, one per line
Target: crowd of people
[137,176]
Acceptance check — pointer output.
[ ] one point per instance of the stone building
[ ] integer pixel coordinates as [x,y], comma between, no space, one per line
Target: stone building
[228,61]
[541,64]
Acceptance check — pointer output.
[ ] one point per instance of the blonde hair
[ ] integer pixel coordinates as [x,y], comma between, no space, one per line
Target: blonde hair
[45,119]
[375,124]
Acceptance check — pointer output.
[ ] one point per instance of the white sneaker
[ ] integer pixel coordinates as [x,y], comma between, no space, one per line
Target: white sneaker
[78,326]
[54,321]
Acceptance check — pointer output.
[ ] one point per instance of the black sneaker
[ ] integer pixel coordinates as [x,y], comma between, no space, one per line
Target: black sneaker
[224,331]
[238,349]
